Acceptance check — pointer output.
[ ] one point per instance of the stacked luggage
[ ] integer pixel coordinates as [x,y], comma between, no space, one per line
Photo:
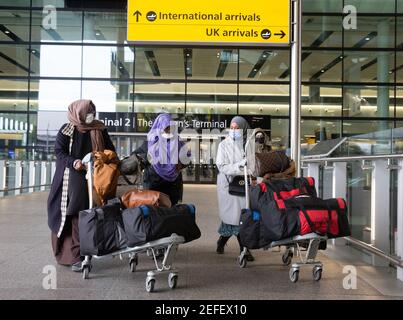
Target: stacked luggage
[288,212]
[282,209]
[139,221]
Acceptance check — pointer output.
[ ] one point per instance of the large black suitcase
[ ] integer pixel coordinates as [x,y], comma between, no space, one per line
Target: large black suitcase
[147,223]
[101,230]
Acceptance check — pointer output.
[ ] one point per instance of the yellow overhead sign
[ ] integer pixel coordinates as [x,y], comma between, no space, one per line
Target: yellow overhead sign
[211,22]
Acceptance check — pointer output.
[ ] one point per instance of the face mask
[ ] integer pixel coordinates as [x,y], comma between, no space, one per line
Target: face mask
[167,135]
[235,134]
[89,118]
[259,140]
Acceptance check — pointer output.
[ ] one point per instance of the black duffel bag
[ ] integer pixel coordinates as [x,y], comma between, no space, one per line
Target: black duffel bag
[281,189]
[148,223]
[252,232]
[101,230]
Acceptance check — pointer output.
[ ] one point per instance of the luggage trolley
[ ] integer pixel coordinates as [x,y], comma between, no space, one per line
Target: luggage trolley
[296,244]
[168,244]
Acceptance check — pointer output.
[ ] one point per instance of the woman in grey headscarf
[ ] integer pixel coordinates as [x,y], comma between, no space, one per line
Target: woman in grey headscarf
[230,162]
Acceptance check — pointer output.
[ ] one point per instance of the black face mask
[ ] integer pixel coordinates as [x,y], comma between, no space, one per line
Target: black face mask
[259,140]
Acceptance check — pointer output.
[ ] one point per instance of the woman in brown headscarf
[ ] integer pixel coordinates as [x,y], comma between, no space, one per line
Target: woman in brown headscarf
[69,193]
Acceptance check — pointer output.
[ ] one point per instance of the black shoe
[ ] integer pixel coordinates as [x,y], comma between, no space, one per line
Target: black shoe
[248,256]
[77,267]
[221,244]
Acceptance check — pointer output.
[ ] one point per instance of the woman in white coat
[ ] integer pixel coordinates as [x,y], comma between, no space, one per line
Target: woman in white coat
[230,162]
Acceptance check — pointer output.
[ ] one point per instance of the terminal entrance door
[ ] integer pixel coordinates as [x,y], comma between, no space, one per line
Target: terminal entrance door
[202,168]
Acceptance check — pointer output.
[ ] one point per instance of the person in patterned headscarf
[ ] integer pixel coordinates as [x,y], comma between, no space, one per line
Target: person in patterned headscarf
[69,193]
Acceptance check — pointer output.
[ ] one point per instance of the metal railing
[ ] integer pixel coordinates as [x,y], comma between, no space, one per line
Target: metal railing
[23,176]
[373,188]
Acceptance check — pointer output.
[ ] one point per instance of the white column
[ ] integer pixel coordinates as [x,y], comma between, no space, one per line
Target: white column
[380,217]
[44,170]
[18,177]
[400,218]
[313,171]
[31,180]
[339,180]
[2,177]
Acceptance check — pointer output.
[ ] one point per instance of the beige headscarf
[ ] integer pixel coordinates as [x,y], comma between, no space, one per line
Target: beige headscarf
[77,113]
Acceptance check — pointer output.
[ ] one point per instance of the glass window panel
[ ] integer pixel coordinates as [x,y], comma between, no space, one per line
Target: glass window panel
[15,3]
[55,95]
[264,65]
[155,97]
[13,95]
[356,127]
[399,35]
[108,62]
[321,101]
[105,27]
[211,98]
[55,3]
[313,131]
[399,6]
[371,32]
[322,6]
[264,99]
[68,27]
[49,60]
[14,25]
[399,67]
[321,66]
[48,125]
[359,195]
[324,31]
[159,63]
[13,137]
[14,60]
[361,101]
[109,96]
[369,66]
[211,64]
[372,6]
[280,133]
[399,102]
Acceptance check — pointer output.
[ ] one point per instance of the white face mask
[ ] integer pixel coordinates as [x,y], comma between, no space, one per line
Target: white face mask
[167,135]
[89,118]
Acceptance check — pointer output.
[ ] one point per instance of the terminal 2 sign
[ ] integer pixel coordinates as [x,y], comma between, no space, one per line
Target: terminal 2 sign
[209,22]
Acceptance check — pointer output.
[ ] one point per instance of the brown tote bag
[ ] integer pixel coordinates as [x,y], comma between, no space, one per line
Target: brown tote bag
[135,198]
[274,161]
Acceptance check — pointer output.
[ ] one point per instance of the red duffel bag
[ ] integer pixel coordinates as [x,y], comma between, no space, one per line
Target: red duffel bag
[325,217]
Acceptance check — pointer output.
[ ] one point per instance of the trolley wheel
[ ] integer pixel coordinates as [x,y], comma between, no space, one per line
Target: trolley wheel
[86,272]
[317,273]
[294,275]
[287,257]
[150,284]
[242,261]
[133,263]
[172,280]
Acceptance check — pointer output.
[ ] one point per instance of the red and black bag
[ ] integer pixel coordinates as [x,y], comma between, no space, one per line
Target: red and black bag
[325,217]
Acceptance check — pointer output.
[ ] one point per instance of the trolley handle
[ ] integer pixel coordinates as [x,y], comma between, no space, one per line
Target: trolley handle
[88,162]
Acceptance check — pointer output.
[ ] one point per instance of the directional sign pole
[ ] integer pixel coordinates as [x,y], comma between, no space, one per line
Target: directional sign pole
[295,112]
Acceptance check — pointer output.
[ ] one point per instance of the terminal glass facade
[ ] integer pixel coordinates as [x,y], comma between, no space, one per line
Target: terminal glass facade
[352,73]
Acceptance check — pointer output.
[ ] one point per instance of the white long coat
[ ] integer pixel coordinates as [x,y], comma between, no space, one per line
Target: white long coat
[229,155]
